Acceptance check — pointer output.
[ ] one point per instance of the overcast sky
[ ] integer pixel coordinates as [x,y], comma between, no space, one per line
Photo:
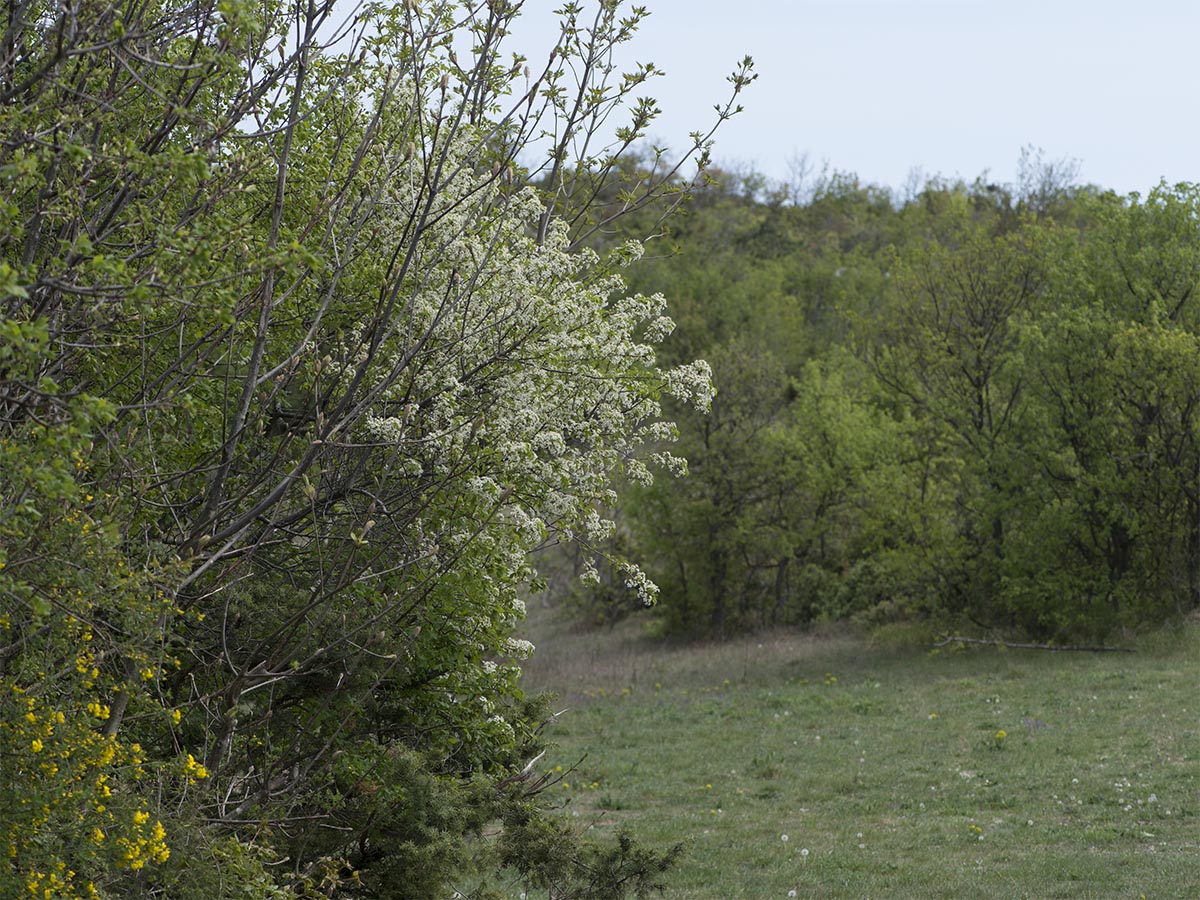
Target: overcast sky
[952,87]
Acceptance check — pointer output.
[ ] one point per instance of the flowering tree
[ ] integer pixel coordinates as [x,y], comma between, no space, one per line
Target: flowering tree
[298,369]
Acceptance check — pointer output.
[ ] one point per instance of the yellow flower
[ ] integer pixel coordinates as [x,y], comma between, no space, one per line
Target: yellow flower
[36,745]
[194,769]
[99,710]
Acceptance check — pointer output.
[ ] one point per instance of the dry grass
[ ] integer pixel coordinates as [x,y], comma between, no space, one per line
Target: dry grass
[579,663]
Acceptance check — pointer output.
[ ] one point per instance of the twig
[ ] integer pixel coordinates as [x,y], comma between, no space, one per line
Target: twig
[1009,644]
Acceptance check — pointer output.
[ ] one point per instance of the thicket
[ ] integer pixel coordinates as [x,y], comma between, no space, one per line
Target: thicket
[299,360]
[977,407]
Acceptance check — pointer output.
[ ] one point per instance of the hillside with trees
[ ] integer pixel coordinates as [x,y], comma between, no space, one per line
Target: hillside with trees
[315,333]
[976,407]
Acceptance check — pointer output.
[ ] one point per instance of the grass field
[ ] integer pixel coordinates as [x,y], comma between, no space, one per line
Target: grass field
[825,766]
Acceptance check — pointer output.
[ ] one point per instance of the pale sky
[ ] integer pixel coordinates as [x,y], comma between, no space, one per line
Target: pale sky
[954,87]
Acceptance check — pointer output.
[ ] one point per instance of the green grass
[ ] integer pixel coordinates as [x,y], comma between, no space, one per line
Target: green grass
[883,766]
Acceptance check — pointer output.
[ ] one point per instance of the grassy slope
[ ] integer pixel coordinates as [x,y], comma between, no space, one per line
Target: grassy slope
[885,765]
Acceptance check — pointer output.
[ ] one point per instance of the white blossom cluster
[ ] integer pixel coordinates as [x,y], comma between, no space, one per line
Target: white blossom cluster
[517,378]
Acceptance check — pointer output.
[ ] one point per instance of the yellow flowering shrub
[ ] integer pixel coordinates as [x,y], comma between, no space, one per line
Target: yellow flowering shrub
[60,814]
[82,645]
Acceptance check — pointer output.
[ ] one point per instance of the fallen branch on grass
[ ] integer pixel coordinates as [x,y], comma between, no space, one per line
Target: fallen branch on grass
[1010,644]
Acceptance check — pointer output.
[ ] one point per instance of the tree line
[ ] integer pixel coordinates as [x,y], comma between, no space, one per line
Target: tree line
[973,407]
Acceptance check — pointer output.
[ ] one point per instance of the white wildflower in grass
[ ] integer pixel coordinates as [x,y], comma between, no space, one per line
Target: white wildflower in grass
[784,838]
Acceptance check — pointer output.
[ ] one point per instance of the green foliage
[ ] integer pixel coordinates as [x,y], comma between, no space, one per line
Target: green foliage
[1118,385]
[772,523]
[977,406]
[716,528]
[297,366]
[82,643]
[540,852]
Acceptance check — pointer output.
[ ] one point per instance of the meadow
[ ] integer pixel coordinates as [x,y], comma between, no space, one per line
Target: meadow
[831,765]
